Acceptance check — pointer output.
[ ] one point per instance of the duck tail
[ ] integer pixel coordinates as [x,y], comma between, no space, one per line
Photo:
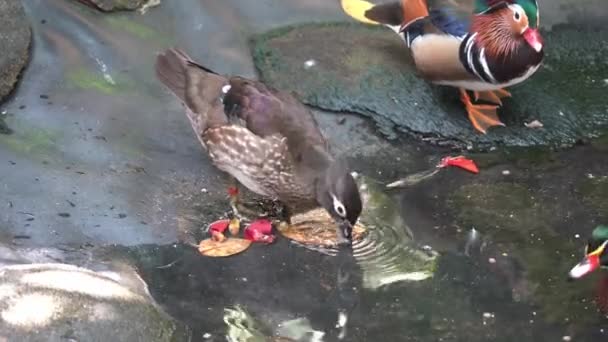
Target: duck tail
[413,10]
[198,87]
[398,15]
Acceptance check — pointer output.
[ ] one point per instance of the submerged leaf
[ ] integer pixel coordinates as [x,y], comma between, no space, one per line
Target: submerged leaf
[228,247]
[315,227]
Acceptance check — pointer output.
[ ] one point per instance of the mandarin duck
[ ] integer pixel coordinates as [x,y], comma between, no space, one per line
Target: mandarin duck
[481,46]
[266,139]
[596,254]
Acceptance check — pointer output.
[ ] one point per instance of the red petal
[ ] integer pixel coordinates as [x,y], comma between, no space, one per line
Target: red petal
[233,191]
[460,162]
[219,226]
[260,231]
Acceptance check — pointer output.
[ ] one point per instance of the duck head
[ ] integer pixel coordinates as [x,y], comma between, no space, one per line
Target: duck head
[596,254]
[338,194]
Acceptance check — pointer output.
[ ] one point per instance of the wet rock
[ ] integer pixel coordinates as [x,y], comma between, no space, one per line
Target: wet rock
[594,191]
[368,70]
[60,302]
[15,39]
[115,5]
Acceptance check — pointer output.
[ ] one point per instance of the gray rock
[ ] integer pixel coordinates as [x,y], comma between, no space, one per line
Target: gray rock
[61,302]
[115,5]
[15,39]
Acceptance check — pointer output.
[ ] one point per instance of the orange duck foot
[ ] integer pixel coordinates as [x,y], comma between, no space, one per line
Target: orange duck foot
[492,96]
[481,116]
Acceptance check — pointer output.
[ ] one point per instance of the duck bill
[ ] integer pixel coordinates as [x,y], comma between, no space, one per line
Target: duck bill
[533,38]
[346,228]
[589,264]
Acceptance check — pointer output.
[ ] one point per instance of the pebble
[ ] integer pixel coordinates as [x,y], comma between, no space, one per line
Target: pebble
[567,338]
[576,236]
[309,63]
[492,261]
[206,335]
[506,172]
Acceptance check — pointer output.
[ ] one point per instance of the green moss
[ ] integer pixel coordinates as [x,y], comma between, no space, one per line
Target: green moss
[85,79]
[29,140]
[127,24]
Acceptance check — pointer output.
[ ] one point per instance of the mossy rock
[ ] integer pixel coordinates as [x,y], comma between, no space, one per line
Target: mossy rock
[115,5]
[15,39]
[367,70]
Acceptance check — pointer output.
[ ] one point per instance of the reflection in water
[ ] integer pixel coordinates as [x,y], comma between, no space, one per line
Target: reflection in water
[328,322]
[388,253]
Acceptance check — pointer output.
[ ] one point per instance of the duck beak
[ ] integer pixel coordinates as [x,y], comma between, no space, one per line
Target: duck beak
[534,39]
[589,264]
[346,230]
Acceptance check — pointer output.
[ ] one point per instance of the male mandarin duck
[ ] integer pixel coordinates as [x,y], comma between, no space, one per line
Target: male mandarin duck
[596,254]
[481,46]
[265,138]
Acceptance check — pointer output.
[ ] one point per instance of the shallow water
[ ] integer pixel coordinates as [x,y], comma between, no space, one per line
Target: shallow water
[458,257]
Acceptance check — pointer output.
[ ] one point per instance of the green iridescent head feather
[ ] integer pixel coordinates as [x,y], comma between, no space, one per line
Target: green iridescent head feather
[600,233]
[529,6]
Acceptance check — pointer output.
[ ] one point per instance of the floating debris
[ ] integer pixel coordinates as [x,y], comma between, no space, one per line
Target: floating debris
[535,124]
[317,228]
[309,64]
[459,161]
[228,247]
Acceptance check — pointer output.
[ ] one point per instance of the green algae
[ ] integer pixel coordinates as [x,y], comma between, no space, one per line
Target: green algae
[108,84]
[127,24]
[29,140]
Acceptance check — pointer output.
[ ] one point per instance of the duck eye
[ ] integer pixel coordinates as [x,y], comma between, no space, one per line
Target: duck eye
[339,207]
[517,16]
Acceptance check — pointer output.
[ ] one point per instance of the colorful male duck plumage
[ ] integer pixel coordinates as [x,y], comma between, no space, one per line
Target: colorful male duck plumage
[596,254]
[475,45]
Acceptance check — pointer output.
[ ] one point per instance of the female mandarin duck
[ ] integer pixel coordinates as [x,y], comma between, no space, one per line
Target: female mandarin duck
[475,45]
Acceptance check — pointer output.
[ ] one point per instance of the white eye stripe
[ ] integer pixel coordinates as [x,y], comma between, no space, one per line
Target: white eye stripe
[338,206]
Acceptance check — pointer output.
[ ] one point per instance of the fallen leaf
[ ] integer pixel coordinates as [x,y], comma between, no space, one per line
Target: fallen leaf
[461,162]
[317,228]
[228,247]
